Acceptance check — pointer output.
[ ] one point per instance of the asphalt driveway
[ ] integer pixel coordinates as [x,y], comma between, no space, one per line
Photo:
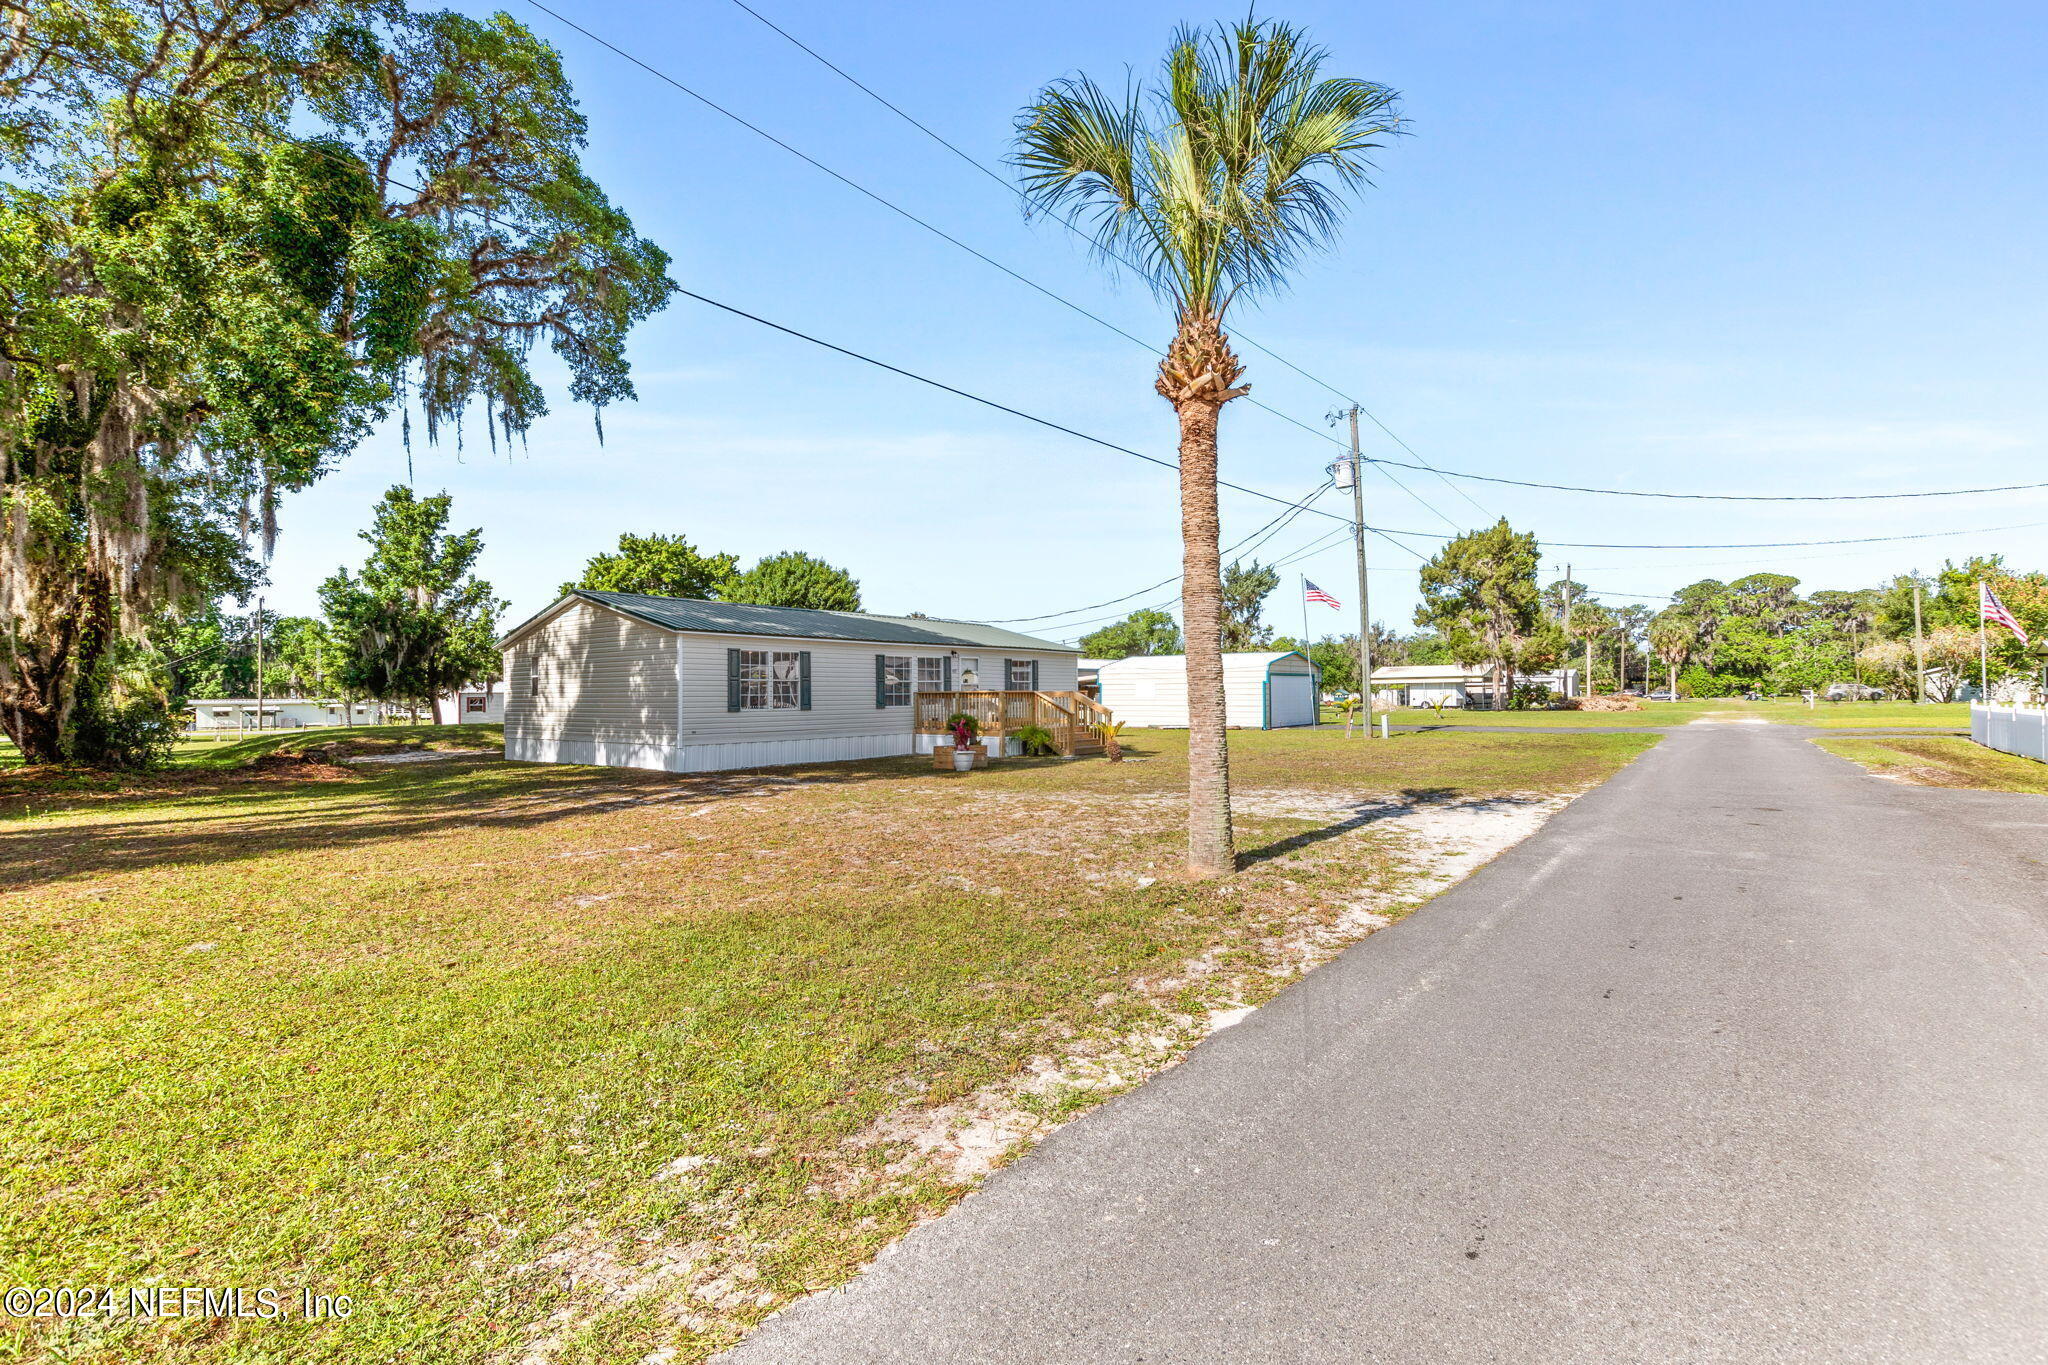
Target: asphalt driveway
[1742,1058]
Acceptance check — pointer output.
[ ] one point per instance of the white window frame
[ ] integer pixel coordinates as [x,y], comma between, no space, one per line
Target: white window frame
[937,681]
[754,687]
[1012,669]
[899,679]
[785,680]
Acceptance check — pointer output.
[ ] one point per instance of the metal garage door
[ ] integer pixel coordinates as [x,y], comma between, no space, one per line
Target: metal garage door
[1292,699]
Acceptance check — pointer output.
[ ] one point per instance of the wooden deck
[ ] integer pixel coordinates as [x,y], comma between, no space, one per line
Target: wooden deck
[1068,716]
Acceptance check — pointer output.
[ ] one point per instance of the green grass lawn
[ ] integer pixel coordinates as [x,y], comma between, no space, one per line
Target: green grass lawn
[1653,713]
[1942,761]
[473,1041]
[1852,715]
[1828,715]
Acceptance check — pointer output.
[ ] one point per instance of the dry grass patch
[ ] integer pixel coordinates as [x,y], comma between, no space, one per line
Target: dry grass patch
[570,1064]
[1942,761]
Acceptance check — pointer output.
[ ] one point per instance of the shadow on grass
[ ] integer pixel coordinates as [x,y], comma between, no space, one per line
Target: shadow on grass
[239,818]
[1371,811]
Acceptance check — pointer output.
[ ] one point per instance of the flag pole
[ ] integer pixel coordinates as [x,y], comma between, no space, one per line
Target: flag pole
[1303,580]
[1983,651]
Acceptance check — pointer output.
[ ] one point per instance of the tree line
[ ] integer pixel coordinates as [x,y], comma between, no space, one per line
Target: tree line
[1484,606]
[415,623]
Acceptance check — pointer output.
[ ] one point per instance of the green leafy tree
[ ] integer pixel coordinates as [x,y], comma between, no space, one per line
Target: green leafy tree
[233,237]
[659,566]
[1209,185]
[296,657]
[795,579]
[1245,590]
[210,653]
[417,624]
[1145,631]
[1769,601]
[1426,647]
[1479,592]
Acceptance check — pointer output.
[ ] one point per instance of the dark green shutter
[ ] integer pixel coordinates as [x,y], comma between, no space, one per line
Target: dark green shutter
[881,681]
[803,672]
[1034,675]
[1006,673]
[948,674]
[732,680]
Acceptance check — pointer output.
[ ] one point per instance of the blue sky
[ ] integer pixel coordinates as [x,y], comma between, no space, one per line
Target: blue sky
[1732,248]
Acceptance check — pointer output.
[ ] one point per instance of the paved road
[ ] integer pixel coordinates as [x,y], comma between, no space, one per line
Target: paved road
[1741,1059]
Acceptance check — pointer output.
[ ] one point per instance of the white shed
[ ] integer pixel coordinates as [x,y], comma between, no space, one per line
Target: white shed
[1269,691]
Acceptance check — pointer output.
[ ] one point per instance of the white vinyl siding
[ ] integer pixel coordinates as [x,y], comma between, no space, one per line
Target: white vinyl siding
[1153,690]
[615,691]
[592,681]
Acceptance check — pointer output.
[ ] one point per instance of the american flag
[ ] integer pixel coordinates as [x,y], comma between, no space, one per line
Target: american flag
[1989,608]
[1316,594]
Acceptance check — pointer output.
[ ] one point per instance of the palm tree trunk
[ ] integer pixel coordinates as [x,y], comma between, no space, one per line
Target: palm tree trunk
[1211,848]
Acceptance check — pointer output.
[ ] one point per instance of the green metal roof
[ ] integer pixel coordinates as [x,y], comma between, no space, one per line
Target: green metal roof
[800,623]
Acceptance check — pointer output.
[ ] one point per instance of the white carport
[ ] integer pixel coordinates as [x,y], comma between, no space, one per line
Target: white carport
[1261,691]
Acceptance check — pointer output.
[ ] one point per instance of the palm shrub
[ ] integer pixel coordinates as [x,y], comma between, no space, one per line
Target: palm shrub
[1208,185]
[1036,739]
[1112,739]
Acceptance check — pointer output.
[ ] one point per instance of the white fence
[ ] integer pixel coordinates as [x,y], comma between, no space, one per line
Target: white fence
[2011,729]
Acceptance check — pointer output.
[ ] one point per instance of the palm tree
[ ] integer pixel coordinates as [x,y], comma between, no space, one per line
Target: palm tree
[1211,185]
[1674,635]
[1590,622]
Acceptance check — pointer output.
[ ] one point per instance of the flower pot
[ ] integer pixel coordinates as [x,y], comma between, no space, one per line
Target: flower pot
[963,759]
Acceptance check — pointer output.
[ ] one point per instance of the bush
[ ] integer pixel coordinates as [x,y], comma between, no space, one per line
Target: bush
[1696,681]
[1036,739]
[133,734]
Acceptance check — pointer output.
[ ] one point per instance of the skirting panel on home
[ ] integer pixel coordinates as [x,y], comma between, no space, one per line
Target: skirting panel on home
[767,753]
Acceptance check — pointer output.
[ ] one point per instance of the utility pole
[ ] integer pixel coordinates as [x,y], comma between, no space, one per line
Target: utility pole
[1919,649]
[1568,617]
[259,665]
[1358,544]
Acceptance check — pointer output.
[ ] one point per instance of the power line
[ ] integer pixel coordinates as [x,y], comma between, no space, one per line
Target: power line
[985,402]
[941,233]
[493,218]
[1275,524]
[1721,497]
[1759,544]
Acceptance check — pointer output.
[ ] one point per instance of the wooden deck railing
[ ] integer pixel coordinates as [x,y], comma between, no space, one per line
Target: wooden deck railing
[1068,717]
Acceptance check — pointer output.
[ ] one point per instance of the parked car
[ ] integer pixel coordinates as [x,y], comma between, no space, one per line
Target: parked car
[1631,691]
[1852,692]
[1663,694]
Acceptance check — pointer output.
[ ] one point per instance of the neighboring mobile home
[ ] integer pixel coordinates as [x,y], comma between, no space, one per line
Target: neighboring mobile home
[211,714]
[682,685]
[1455,685]
[1268,691]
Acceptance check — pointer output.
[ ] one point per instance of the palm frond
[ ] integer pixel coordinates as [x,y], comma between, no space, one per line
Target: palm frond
[1216,181]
